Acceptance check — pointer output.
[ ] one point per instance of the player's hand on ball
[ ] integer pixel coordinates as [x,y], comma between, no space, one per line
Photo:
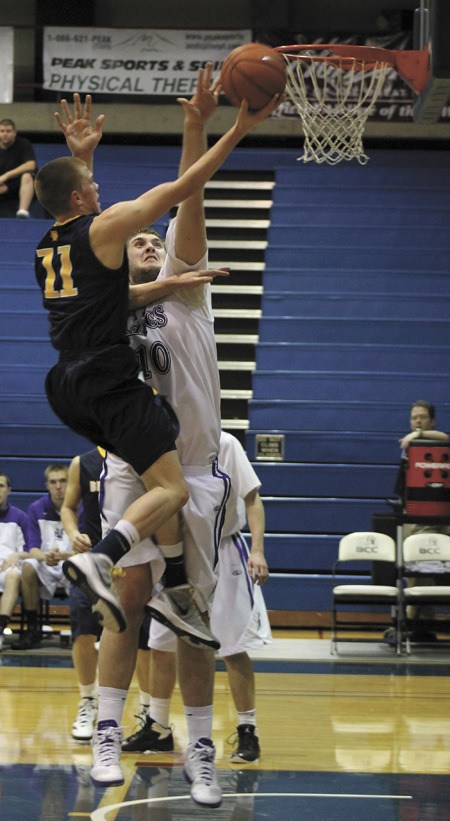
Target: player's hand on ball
[247,119]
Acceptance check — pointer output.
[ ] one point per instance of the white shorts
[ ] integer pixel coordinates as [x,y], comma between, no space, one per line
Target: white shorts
[50,577]
[202,519]
[239,617]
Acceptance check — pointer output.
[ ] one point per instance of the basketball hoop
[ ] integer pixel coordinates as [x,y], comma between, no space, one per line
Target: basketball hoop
[334,86]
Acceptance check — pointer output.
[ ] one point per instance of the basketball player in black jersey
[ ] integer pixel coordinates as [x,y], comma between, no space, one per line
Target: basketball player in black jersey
[81,518]
[82,270]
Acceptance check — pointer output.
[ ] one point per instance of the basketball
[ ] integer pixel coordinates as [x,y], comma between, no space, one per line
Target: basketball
[254,72]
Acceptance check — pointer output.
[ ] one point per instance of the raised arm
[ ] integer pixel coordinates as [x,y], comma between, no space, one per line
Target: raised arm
[190,238]
[82,137]
[110,229]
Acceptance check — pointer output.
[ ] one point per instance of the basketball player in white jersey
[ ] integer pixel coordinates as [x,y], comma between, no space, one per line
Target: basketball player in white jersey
[238,594]
[174,341]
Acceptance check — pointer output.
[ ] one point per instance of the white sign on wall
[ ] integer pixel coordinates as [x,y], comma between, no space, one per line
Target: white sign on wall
[6,74]
[159,62]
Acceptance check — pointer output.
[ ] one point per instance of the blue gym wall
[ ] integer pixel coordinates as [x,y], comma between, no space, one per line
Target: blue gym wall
[354,328]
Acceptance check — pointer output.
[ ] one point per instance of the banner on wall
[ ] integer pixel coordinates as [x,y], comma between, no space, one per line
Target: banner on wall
[6,74]
[159,62]
[396,101]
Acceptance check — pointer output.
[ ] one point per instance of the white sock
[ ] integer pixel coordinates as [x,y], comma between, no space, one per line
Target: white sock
[171,551]
[160,710]
[144,699]
[248,717]
[111,702]
[199,722]
[88,690]
[128,531]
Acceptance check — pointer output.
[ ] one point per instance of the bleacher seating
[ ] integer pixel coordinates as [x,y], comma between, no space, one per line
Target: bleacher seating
[350,356]
[334,330]
[347,305]
[353,329]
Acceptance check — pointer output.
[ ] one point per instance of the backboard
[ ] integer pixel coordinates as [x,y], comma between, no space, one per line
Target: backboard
[432,31]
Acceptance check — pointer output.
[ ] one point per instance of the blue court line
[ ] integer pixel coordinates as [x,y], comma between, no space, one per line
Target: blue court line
[364,668]
[39,660]
[348,668]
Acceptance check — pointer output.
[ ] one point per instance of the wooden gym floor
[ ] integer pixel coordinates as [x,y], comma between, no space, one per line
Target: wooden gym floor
[364,735]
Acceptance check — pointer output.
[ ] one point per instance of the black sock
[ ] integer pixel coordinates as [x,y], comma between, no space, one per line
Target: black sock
[114,545]
[175,572]
[3,623]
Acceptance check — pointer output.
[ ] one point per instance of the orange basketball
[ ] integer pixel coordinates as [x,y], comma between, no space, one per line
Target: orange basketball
[254,72]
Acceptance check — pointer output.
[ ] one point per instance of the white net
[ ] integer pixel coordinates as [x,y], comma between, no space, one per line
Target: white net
[333,99]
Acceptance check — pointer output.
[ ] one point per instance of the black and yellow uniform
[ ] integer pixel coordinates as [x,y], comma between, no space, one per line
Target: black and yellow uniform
[82,620]
[94,388]
[91,464]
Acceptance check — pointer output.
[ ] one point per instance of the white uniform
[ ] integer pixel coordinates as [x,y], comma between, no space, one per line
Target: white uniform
[174,341]
[175,345]
[47,533]
[14,525]
[238,616]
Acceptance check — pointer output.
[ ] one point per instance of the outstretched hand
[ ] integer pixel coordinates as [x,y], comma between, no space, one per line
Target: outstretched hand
[81,136]
[246,119]
[204,102]
[192,279]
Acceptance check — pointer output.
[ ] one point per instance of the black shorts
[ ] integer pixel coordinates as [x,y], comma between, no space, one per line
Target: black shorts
[101,397]
[83,622]
[144,631]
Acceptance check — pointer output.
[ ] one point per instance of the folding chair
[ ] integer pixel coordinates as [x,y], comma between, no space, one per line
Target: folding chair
[425,547]
[366,547]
